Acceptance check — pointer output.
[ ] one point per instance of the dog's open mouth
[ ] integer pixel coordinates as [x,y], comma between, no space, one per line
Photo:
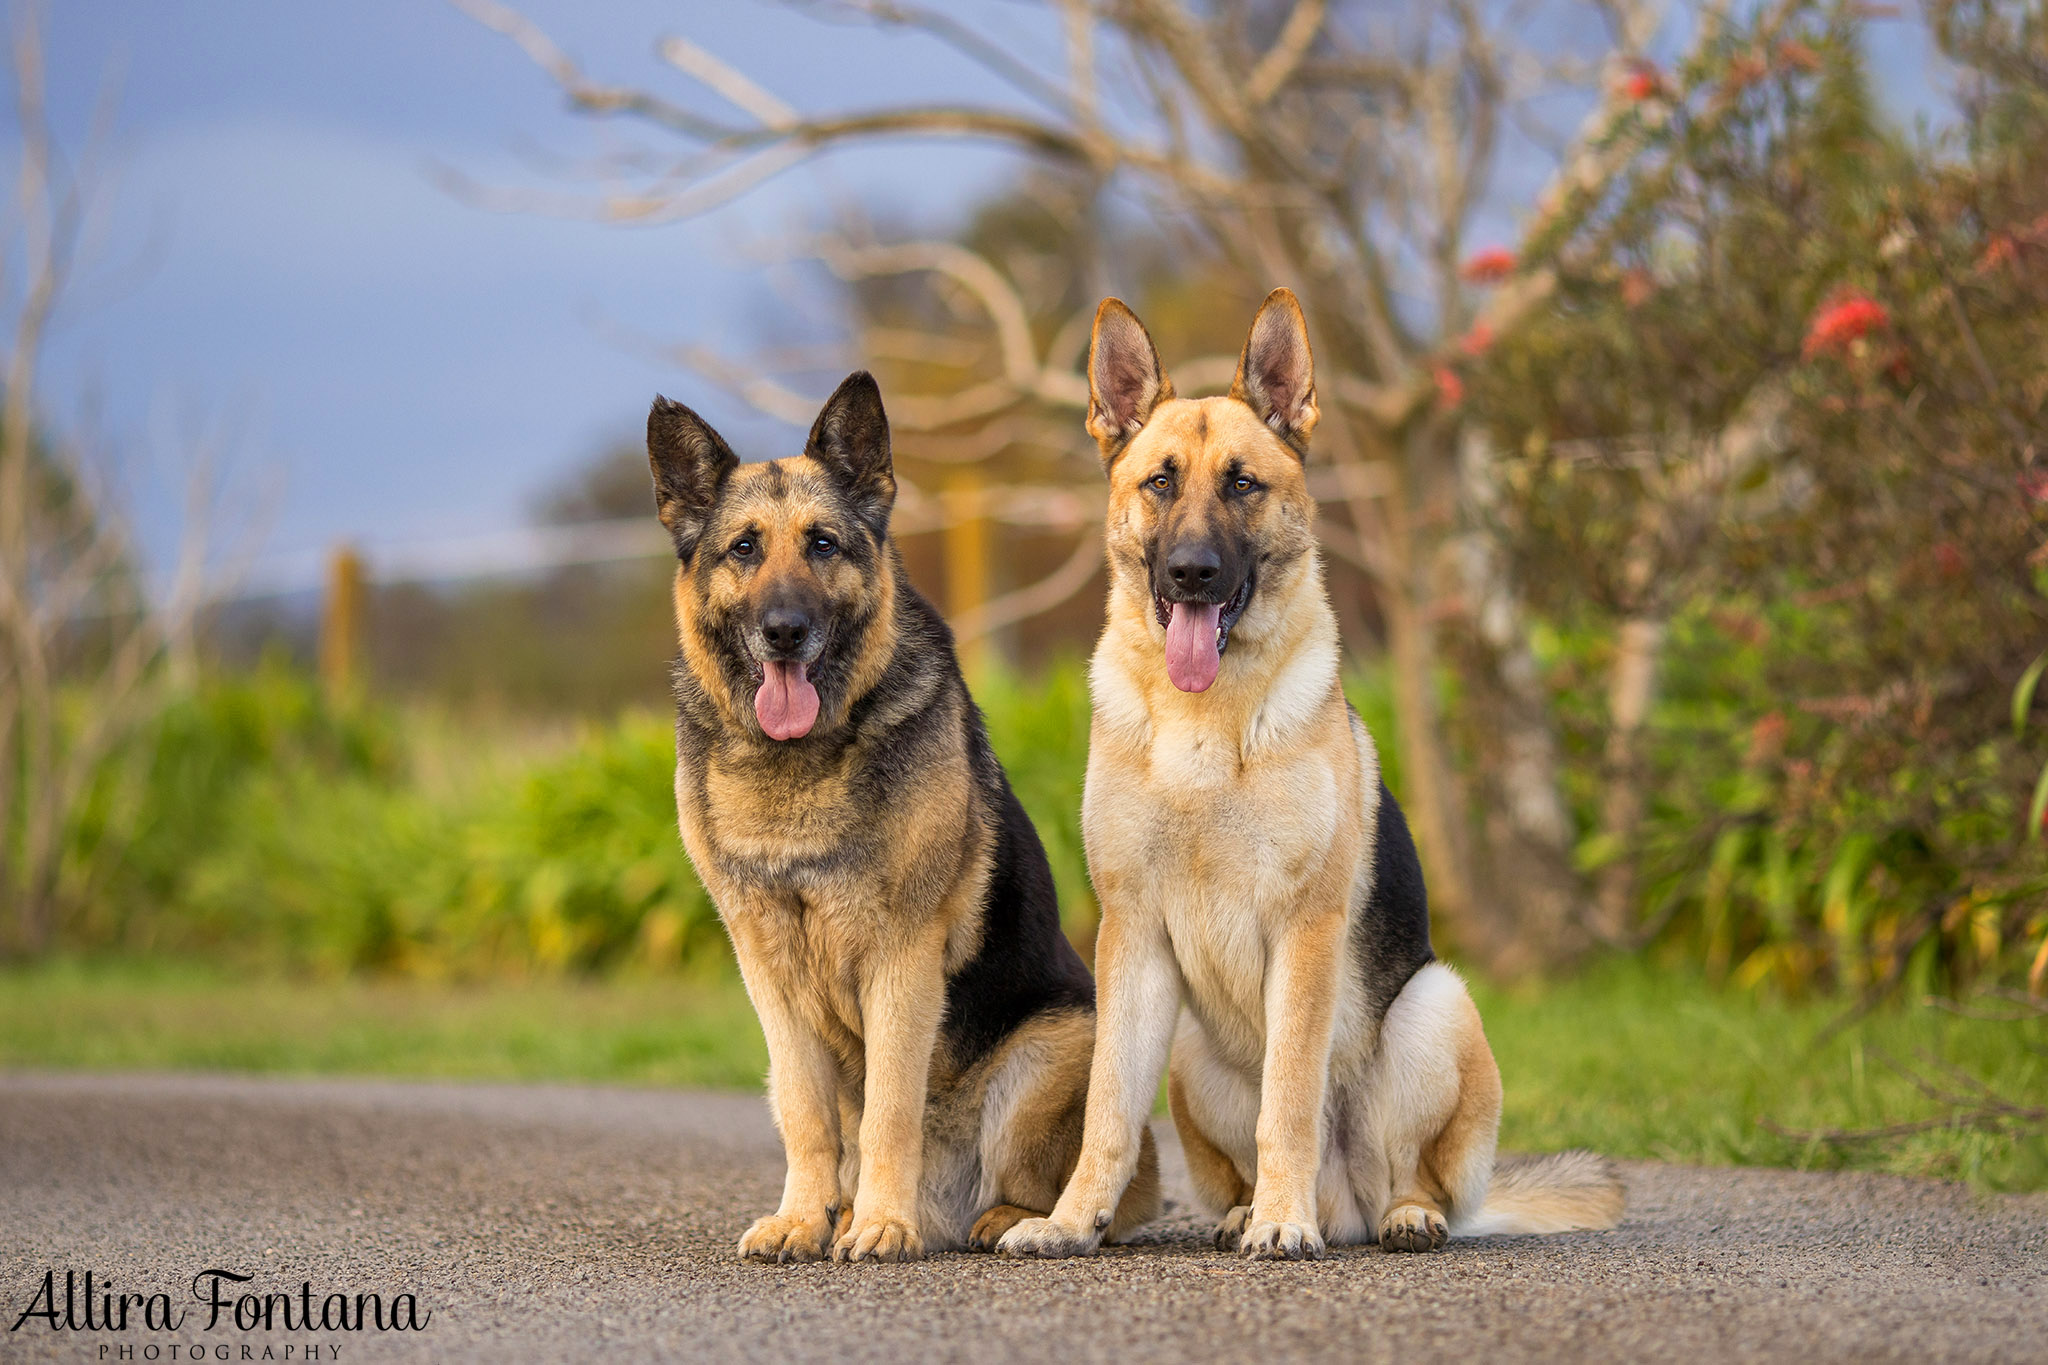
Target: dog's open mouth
[786,702]
[1197,633]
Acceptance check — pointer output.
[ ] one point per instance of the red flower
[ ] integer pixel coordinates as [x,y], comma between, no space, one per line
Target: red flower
[1949,560]
[1999,251]
[1489,266]
[1797,54]
[1850,316]
[1475,342]
[1450,390]
[1642,83]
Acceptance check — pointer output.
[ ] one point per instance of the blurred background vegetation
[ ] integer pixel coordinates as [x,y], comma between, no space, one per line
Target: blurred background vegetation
[1687,519]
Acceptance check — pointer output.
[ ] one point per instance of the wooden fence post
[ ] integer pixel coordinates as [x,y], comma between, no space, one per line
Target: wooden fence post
[341,624]
[966,552]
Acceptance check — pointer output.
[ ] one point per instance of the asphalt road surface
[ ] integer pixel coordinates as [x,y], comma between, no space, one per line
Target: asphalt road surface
[559,1223]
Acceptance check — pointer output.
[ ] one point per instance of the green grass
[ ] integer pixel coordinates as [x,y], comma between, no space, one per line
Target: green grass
[1628,1059]
[665,1031]
[1639,1061]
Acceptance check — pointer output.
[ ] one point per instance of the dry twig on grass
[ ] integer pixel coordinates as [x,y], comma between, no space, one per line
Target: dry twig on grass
[1970,1104]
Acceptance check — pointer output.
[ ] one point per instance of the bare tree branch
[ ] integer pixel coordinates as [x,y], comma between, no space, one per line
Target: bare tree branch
[1281,61]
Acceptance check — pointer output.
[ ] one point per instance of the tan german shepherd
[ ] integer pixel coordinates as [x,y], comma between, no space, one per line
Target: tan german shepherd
[928,1025]
[1330,1080]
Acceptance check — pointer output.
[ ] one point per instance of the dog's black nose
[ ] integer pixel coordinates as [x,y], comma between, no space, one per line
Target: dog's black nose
[1193,567]
[785,629]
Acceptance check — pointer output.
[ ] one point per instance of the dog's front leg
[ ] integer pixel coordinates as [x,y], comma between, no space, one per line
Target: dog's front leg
[1137,1002]
[900,1004]
[1301,998]
[802,1093]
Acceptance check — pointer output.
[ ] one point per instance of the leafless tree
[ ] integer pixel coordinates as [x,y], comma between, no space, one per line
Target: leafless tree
[86,652]
[1351,150]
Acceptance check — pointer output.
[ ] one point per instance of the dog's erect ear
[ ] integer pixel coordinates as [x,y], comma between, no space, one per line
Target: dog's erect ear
[1276,373]
[1125,382]
[691,463]
[851,439]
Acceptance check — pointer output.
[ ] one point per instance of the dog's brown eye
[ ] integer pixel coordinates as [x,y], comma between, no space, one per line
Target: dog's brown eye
[1244,483]
[743,548]
[1161,482]
[824,546]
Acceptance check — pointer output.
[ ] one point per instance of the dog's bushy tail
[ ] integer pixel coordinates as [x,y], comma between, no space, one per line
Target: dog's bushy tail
[1568,1192]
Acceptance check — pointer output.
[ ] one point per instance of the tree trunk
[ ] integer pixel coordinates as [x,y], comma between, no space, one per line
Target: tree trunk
[1631,691]
[1430,797]
[1529,833]
[1434,798]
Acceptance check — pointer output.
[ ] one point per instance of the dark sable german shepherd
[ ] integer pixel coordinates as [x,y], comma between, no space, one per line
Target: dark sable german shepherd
[928,1026]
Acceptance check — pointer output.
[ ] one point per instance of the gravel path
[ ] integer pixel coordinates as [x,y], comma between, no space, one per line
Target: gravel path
[559,1223]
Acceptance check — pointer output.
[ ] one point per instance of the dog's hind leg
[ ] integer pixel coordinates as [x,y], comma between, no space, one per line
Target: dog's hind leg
[1035,1099]
[1140,1204]
[1436,1101]
[1223,1187]
[1138,1000]
[1031,1112]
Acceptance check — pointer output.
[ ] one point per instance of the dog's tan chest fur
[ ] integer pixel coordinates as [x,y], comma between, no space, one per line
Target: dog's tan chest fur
[748,815]
[1196,819]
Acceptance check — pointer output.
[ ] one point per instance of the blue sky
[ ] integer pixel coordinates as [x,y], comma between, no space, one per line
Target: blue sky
[402,366]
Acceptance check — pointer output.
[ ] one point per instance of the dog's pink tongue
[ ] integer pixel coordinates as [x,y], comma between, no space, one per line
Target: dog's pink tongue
[1191,654]
[787,703]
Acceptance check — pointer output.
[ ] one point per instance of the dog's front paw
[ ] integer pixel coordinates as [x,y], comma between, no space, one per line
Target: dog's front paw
[879,1238]
[1049,1238]
[1230,1232]
[1271,1241]
[1411,1227]
[785,1237]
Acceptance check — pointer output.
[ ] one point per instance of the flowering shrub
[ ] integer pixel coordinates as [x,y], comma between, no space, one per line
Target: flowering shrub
[1844,566]
[1489,266]
[1642,83]
[1450,389]
[1850,316]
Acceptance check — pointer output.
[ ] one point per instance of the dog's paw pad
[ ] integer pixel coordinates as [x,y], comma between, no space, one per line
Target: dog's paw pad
[1413,1228]
[1273,1241]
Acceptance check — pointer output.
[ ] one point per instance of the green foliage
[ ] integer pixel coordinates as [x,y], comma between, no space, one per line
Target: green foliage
[1039,729]
[569,863]
[278,829]
[187,775]
[1794,839]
